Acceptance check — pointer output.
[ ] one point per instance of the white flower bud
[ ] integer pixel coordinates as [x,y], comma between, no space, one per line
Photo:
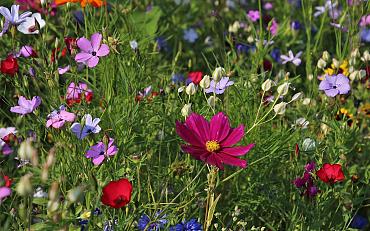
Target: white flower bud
[321,64]
[325,56]
[353,75]
[308,144]
[283,89]
[366,56]
[267,84]
[306,101]
[355,53]
[190,89]
[234,27]
[362,74]
[250,39]
[336,63]
[310,77]
[205,82]
[24,186]
[212,101]
[181,89]
[218,73]
[75,194]
[296,96]
[186,110]
[280,108]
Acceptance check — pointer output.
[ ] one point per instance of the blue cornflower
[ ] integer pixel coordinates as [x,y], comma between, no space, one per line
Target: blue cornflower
[191,225]
[359,222]
[242,48]
[365,35]
[296,25]
[275,54]
[158,224]
[177,78]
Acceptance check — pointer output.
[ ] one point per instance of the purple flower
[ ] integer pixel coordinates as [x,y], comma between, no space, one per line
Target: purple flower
[91,50]
[89,126]
[296,25]
[253,15]
[292,58]
[4,192]
[26,51]
[220,87]
[310,167]
[146,224]
[335,84]
[99,151]
[365,35]
[191,225]
[12,17]
[26,106]
[305,183]
[365,21]
[57,118]
[63,70]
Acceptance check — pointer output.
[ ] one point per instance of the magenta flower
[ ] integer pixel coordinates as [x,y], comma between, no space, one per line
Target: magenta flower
[99,151]
[4,192]
[335,84]
[58,118]
[253,15]
[91,50]
[26,106]
[212,142]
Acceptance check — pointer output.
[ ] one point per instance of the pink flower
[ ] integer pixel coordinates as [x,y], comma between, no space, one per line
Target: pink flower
[76,92]
[58,118]
[253,15]
[91,50]
[274,27]
[26,106]
[212,142]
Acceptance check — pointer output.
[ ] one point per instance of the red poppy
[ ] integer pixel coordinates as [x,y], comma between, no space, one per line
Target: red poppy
[9,65]
[117,194]
[195,76]
[7,181]
[331,173]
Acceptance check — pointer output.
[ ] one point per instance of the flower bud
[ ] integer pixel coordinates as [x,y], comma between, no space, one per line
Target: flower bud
[205,82]
[325,56]
[250,39]
[321,64]
[54,192]
[355,53]
[24,186]
[366,56]
[181,89]
[212,101]
[308,144]
[280,108]
[306,101]
[186,110]
[218,73]
[353,75]
[52,206]
[296,96]
[336,63]
[283,89]
[267,84]
[190,89]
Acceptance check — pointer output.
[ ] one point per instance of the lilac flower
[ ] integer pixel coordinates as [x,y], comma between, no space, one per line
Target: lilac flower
[365,21]
[91,50]
[63,70]
[26,51]
[268,6]
[100,151]
[330,6]
[335,84]
[133,44]
[220,87]
[162,44]
[190,35]
[88,127]
[26,106]
[191,225]
[58,118]
[291,58]
[4,192]
[32,24]
[253,15]
[12,17]
[146,224]
[365,35]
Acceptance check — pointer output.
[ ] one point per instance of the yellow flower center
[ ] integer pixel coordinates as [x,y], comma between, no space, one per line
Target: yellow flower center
[212,146]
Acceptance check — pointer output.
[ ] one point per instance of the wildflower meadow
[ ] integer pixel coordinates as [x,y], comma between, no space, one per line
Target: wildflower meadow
[182,115]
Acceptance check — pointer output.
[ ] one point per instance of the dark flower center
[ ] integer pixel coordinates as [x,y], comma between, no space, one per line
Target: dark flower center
[334,87]
[94,53]
[32,29]
[101,153]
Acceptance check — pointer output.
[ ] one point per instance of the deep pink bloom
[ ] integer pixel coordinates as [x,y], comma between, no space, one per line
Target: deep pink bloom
[253,15]
[212,142]
[91,50]
[274,27]
[100,151]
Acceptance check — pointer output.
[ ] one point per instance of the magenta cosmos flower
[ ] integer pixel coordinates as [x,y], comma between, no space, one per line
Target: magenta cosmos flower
[99,151]
[212,142]
[91,50]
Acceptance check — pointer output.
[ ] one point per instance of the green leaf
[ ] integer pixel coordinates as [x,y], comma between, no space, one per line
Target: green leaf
[147,22]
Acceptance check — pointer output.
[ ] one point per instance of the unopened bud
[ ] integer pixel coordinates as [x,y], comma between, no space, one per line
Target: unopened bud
[266,86]
[280,108]
[250,39]
[296,96]
[283,89]
[24,186]
[212,101]
[26,151]
[321,64]
[186,110]
[336,63]
[325,56]
[190,89]
[366,56]
[355,53]
[75,194]
[205,82]
[218,73]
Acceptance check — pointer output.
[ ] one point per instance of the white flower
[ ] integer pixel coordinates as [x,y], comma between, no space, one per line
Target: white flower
[32,24]
[133,44]
[283,89]
[321,63]
[190,89]
[186,110]
[308,144]
[302,122]
[292,58]
[306,101]
[366,56]
[280,108]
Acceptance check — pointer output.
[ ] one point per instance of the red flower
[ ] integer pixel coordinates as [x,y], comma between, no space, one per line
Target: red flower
[117,194]
[9,65]
[8,181]
[331,173]
[195,76]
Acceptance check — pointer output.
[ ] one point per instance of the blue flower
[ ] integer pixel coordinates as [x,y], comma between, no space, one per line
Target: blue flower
[191,225]
[177,78]
[359,222]
[158,224]
[242,48]
[275,54]
[296,25]
[219,87]
[190,35]
[162,44]
[90,126]
[365,35]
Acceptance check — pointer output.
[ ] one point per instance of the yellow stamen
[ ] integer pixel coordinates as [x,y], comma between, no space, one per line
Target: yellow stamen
[212,146]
